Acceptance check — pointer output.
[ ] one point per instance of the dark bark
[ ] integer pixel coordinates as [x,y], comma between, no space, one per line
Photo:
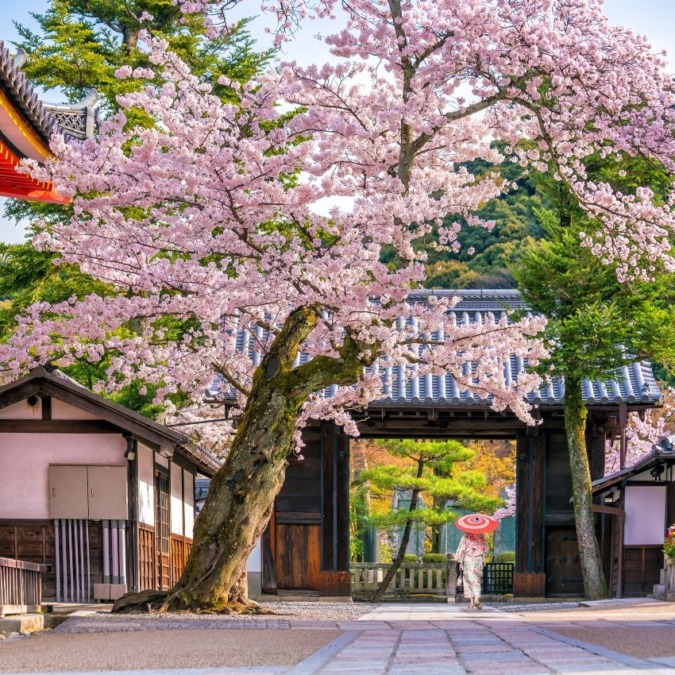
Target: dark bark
[595,586]
[242,492]
[407,530]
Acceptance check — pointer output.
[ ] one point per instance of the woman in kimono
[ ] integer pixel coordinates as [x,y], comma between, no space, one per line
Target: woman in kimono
[471,558]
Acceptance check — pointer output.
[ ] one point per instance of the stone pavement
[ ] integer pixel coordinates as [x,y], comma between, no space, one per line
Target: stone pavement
[408,639]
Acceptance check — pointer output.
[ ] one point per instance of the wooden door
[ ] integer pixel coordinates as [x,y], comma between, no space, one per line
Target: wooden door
[298,549]
[563,565]
[162,568]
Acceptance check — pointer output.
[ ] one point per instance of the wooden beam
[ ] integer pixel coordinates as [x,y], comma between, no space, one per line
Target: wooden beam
[46,408]
[19,394]
[58,427]
[127,422]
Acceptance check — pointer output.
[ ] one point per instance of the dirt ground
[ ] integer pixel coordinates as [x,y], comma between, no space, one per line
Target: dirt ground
[643,630]
[160,649]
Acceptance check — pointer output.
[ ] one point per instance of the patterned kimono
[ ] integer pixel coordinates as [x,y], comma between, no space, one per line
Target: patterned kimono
[471,557]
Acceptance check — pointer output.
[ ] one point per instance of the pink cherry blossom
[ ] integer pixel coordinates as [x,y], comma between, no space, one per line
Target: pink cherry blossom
[211,217]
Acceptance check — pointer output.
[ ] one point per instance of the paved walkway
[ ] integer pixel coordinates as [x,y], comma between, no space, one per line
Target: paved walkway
[408,639]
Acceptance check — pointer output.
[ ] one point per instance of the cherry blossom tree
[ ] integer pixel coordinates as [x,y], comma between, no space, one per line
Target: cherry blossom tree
[642,433]
[209,225]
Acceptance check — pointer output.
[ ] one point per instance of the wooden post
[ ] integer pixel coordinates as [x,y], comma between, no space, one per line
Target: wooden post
[529,577]
[450,578]
[623,421]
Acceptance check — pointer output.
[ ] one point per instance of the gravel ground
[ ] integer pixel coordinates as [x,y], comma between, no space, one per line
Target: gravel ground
[512,607]
[280,617]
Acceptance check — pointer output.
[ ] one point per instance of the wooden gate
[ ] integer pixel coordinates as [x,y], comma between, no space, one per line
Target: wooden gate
[563,565]
[298,548]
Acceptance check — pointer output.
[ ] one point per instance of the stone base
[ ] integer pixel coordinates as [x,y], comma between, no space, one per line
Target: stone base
[109,591]
[26,623]
[529,585]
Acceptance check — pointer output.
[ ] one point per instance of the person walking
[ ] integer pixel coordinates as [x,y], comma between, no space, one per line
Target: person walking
[471,553]
[471,558]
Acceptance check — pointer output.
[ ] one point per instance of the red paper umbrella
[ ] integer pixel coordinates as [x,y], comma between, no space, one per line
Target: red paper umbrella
[477,523]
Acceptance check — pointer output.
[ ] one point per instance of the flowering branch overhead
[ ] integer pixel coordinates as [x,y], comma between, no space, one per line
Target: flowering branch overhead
[210,217]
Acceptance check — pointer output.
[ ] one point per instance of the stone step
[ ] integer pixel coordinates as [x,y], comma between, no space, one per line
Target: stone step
[22,623]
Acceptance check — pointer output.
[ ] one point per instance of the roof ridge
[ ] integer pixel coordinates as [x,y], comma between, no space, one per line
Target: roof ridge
[22,92]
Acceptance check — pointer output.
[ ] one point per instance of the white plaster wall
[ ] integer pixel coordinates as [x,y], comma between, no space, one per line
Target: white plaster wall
[24,462]
[65,411]
[146,485]
[22,411]
[645,514]
[189,491]
[162,461]
[176,499]
[254,562]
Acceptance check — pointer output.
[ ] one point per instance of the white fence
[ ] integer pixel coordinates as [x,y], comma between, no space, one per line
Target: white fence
[410,578]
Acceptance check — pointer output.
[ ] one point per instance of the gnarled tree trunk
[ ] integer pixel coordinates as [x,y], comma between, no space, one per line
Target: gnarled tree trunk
[595,586]
[242,492]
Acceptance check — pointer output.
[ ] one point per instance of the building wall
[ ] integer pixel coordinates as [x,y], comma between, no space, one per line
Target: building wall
[22,411]
[254,570]
[645,514]
[189,482]
[176,484]
[25,459]
[146,485]
[65,411]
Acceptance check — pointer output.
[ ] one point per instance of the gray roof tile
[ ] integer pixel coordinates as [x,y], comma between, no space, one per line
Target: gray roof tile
[632,384]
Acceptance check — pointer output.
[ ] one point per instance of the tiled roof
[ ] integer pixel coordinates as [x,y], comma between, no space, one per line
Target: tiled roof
[631,384]
[76,121]
[57,383]
[655,457]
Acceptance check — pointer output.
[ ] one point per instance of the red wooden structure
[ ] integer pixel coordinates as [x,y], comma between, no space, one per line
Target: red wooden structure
[26,125]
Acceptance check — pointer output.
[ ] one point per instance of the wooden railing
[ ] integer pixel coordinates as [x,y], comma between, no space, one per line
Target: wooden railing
[20,586]
[410,579]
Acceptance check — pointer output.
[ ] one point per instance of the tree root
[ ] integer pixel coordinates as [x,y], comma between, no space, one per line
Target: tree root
[145,602]
[161,602]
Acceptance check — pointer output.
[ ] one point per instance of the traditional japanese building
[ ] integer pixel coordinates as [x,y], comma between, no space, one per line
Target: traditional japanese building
[635,506]
[101,495]
[26,125]
[306,546]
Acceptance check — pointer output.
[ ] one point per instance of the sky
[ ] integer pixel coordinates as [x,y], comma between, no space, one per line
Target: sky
[653,18]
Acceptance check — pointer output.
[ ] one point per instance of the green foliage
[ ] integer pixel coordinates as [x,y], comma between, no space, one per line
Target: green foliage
[595,323]
[505,557]
[431,473]
[434,558]
[410,559]
[386,553]
[497,251]
[79,44]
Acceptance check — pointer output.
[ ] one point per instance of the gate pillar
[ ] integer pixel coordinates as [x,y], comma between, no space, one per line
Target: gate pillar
[530,578]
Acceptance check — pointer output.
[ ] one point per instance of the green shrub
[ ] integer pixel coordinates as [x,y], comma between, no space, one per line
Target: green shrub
[434,558]
[410,558]
[506,557]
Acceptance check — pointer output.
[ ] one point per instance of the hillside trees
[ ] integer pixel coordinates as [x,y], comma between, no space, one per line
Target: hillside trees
[210,217]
